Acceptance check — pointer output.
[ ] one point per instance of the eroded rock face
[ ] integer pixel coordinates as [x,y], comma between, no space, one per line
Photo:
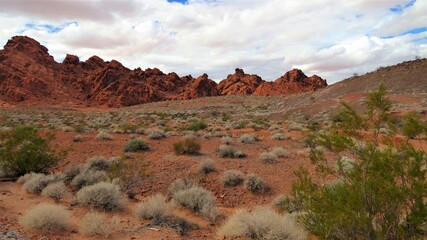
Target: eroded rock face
[29,74]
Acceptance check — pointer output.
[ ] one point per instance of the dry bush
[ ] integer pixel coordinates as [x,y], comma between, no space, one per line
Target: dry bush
[71,172]
[56,191]
[256,184]
[295,126]
[180,184]
[155,208]
[94,223]
[278,136]
[280,152]
[274,127]
[136,145]
[88,177]
[38,182]
[268,157]
[156,134]
[210,213]
[261,223]
[102,195]
[248,138]
[232,178]
[46,217]
[207,166]
[23,179]
[226,140]
[104,136]
[97,163]
[226,151]
[186,147]
[78,138]
[194,198]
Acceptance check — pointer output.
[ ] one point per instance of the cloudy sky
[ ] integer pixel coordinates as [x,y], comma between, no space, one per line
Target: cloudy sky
[330,38]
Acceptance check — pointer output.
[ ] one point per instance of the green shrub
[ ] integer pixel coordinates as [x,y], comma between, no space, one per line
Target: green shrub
[24,151]
[197,126]
[256,184]
[102,195]
[136,145]
[186,147]
[261,223]
[226,151]
[46,218]
[379,194]
[232,178]
[94,223]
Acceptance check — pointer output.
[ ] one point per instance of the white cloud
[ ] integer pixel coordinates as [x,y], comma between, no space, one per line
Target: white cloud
[333,39]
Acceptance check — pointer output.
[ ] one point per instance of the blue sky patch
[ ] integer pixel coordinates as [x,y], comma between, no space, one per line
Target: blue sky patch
[178,1]
[412,31]
[399,8]
[48,27]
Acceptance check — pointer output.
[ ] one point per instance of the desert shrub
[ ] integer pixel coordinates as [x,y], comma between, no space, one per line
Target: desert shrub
[256,184]
[71,172]
[295,126]
[278,136]
[56,191]
[24,151]
[156,134]
[279,152]
[232,178]
[88,177]
[383,194]
[180,184]
[268,157]
[78,138]
[186,147]
[274,127]
[194,198]
[197,126]
[38,182]
[226,151]
[136,145]
[261,223]
[46,218]
[102,195]
[248,138]
[226,140]
[129,174]
[207,166]
[210,213]
[94,223]
[413,126]
[288,204]
[155,208]
[23,179]
[102,135]
[97,163]
[344,164]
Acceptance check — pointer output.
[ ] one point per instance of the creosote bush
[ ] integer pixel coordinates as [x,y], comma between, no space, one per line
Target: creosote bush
[380,193]
[256,184]
[94,223]
[226,151]
[23,151]
[102,195]
[136,145]
[231,178]
[46,217]
[186,147]
[261,223]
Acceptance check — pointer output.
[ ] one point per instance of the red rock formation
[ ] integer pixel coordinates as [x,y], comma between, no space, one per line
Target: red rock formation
[29,74]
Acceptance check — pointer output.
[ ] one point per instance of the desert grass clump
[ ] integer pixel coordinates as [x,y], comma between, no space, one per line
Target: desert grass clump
[102,135]
[231,178]
[78,138]
[207,166]
[181,184]
[278,136]
[197,199]
[226,151]
[88,177]
[280,152]
[46,217]
[56,191]
[155,208]
[261,223]
[156,134]
[268,157]
[226,140]
[23,179]
[94,224]
[71,172]
[294,126]
[186,147]
[103,195]
[256,184]
[248,138]
[136,145]
[197,126]
[97,163]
